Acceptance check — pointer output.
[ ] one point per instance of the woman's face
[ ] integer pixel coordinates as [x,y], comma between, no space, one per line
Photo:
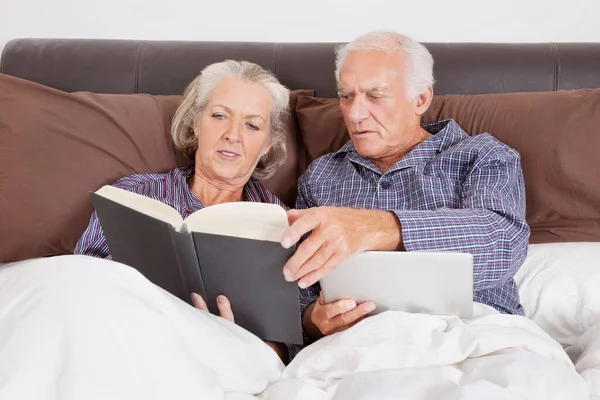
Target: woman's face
[233,132]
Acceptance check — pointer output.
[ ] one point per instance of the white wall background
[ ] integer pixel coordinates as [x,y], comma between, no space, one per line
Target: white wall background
[303,20]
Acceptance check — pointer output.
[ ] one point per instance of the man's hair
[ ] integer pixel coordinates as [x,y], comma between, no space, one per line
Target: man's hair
[418,60]
[198,93]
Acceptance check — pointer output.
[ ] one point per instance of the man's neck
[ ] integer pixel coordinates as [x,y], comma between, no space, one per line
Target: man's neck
[389,160]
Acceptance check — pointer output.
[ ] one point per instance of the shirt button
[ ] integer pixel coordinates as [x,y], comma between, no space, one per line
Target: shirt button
[385,184]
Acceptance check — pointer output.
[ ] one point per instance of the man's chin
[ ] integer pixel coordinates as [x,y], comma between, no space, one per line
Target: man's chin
[365,149]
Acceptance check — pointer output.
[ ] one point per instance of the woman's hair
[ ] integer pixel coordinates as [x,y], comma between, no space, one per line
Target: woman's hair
[418,60]
[197,96]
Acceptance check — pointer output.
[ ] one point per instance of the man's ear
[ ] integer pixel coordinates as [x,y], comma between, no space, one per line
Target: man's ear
[424,101]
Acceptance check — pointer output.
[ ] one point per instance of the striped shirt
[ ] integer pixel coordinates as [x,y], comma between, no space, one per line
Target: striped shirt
[452,192]
[170,188]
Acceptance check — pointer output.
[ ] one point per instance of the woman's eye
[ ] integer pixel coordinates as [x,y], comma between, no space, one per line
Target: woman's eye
[218,116]
[253,127]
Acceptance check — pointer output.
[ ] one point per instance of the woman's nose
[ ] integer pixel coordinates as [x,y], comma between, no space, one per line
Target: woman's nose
[232,133]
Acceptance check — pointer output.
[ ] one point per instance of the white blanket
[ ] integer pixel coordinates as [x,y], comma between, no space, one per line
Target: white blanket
[80,328]
[585,353]
[398,355]
[74,327]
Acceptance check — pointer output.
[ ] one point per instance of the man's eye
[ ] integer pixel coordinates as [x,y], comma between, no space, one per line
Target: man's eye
[346,96]
[218,116]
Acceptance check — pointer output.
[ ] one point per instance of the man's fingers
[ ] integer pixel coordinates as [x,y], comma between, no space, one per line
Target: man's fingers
[344,327]
[294,214]
[308,221]
[311,277]
[317,260]
[321,299]
[332,310]
[199,302]
[224,308]
[302,254]
[349,318]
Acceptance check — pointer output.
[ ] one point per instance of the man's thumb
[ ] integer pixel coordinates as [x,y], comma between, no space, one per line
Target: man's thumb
[293,215]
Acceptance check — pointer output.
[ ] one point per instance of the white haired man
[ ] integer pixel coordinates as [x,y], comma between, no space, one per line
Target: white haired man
[400,185]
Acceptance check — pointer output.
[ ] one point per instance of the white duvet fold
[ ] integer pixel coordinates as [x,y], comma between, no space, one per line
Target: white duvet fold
[585,353]
[411,356]
[75,327]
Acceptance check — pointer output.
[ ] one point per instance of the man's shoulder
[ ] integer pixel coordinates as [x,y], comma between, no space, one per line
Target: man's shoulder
[482,148]
[327,165]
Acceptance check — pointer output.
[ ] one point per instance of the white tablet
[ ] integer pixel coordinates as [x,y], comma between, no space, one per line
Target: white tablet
[436,283]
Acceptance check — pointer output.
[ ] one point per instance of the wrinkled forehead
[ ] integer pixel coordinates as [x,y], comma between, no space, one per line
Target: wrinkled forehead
[369,70]
[241,96]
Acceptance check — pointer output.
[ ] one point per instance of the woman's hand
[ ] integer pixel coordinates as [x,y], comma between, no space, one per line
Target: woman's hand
[225,312]
[222,303]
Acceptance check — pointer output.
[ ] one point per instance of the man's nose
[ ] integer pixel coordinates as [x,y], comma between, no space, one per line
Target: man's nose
[357,111]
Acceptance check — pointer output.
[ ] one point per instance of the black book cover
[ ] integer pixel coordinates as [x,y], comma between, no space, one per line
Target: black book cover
[247,271]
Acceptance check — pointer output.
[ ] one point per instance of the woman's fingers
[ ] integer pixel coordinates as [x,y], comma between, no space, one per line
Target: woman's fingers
[225,308]
[199,302]
[222,303]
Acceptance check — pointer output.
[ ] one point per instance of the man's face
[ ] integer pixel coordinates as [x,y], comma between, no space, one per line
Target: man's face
[374,102]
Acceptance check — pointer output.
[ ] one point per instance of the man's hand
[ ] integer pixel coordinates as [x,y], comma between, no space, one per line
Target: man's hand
[337,234]
[333,317]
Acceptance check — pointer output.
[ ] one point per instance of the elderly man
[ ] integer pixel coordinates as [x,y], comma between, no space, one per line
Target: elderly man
[399,185]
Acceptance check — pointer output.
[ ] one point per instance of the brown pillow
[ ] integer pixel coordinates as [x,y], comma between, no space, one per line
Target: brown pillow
[56,147]
[556,133]
[284,183]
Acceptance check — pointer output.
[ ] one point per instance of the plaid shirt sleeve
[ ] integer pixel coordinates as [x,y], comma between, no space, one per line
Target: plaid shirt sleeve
[490,224]
[311,293]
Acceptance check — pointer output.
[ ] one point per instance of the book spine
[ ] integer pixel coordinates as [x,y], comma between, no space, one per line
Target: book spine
[189,267]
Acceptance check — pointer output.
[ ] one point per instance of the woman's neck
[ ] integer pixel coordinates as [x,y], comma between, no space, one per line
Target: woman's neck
[210,192]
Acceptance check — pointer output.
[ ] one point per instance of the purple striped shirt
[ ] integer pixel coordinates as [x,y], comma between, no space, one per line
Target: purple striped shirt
[453,192]
[170,188]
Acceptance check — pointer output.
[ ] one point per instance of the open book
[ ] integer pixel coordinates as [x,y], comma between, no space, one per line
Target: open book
[231,249]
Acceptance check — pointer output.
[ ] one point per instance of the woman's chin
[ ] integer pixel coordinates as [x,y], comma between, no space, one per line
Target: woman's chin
[231,175]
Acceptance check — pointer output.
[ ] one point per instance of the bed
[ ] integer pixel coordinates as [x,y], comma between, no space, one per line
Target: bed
[77,114]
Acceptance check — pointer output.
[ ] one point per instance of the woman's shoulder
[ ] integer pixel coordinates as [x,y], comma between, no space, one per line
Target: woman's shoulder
[142,183]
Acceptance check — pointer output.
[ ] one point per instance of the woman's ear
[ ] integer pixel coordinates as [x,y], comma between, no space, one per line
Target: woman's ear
[267,148]
[196,127]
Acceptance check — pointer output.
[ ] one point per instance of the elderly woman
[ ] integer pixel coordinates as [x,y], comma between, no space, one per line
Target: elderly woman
[231,125]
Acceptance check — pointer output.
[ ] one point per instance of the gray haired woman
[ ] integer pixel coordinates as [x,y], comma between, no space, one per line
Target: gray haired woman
[230,124]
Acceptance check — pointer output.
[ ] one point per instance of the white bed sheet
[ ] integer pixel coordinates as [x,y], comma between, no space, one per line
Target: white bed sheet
[585,353]
[74,327]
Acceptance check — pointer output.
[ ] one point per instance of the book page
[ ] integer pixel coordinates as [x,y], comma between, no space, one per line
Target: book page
[259,221]
[143,204]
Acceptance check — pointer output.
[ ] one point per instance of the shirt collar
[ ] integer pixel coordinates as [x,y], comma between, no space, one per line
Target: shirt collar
[444,134]
[192,203]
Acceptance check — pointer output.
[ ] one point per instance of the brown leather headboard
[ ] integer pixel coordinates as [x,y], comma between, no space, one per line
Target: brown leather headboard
[164,67]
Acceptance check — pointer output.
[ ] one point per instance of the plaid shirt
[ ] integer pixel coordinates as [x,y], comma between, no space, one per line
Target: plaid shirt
[453,192]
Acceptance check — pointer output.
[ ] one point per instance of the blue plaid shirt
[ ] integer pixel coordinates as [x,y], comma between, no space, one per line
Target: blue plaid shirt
[453,192]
